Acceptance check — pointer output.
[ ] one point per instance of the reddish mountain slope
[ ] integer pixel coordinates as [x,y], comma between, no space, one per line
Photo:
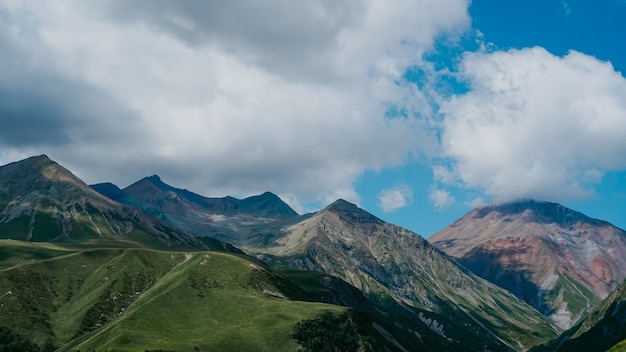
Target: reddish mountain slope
[556,259]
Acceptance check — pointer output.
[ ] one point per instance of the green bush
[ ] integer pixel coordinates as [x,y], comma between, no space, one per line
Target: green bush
[334,333]
[11,342]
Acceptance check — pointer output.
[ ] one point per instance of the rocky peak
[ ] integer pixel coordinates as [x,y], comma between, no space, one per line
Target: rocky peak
[147,187]
[37,161]
[540,212]
[351,212]
[39,173]
[109,190]
[31,166]
[267,204]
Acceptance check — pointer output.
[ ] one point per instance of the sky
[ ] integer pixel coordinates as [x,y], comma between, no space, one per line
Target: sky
[417,111]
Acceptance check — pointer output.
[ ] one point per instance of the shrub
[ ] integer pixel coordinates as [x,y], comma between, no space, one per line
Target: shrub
[333,333]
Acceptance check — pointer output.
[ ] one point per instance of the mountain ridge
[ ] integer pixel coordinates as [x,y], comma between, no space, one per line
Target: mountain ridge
[273,205]
[41,200]
[240,222]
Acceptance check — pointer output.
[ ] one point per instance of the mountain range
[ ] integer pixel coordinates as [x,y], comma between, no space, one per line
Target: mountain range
[240,222]
[41,201]
[395,268]
[337,272]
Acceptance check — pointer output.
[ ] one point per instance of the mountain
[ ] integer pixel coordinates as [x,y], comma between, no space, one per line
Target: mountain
[602,330]
[240,222]
[558,260]
[402,272]
[41,201]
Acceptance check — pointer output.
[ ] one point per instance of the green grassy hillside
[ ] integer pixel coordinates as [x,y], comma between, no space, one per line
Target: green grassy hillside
[19,252]
[63,298]
[137,299]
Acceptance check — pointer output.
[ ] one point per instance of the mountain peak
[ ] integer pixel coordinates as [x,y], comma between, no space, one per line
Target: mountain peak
[39,158]
[152,183]
[341,204]
[351,211]
[31,173]
[34,162]
[541,212]
[268,204]
[110,190]
[269,194]
[154,178]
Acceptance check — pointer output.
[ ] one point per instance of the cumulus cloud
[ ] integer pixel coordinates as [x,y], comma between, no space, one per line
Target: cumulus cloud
[440,197]
[534,125]
[221,97]
[395,198]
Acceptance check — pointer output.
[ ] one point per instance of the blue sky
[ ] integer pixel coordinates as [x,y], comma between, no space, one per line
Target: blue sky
[417,110]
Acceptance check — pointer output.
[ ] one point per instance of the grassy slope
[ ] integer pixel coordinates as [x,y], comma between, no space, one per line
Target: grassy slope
[132,299]
[19,252]
[620,347]
[401,322]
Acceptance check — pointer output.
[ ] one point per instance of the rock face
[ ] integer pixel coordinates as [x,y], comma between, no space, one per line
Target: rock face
[41,201]
[558,260]
[393,265]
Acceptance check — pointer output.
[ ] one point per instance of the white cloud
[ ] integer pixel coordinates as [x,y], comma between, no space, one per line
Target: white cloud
[476,202]
[534,125]
[226,97]
[394,198]
[440,197]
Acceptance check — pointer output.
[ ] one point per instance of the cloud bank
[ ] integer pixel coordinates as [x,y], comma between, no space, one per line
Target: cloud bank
[534,125]
[222,97]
